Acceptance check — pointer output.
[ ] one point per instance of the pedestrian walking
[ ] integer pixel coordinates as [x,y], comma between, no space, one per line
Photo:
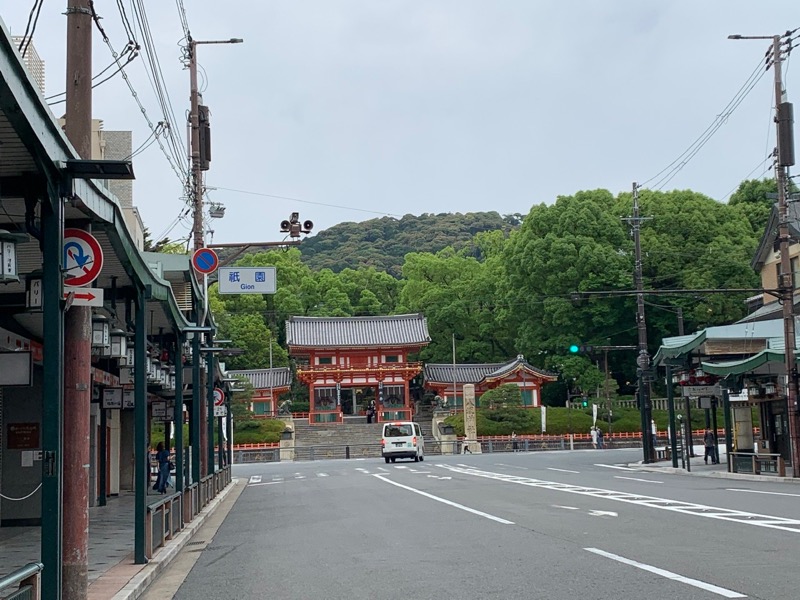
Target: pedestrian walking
[514,443]
[708,442]
[599,438]
[162,456]
[654,431]
[593,433]
[465,449]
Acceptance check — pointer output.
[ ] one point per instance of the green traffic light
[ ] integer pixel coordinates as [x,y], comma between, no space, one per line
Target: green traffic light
[574,348]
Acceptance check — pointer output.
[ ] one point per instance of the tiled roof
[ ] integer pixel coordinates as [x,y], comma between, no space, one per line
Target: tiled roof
[263,379]
[475,373]
[342,332]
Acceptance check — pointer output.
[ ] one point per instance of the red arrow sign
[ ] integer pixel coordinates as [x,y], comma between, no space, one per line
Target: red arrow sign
[84,296]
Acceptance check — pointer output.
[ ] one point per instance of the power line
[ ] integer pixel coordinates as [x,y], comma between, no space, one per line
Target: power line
[365,210]
[33,19]
[667,173]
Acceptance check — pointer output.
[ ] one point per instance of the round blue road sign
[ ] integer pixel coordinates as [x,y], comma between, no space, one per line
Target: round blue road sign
[205,261]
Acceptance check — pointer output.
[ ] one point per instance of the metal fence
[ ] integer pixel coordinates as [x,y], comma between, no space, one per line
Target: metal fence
[26,580]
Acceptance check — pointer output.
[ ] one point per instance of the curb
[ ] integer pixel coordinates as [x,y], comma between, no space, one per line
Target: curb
[139,583]
[716,474]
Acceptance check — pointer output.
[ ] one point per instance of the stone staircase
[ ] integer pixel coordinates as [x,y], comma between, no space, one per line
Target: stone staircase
[334,440]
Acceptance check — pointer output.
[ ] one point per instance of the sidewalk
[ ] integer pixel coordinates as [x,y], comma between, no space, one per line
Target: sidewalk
[700,469]
[112,572]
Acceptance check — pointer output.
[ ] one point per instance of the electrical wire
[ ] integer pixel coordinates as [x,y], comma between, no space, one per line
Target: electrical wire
[170,159]
[23,498]
[33,19]
[365,210]
[667,173]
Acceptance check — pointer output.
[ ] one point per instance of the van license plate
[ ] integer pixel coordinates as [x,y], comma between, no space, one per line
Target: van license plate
[398,443]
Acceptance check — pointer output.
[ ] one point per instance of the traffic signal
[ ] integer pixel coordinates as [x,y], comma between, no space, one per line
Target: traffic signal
[580,349]
[585,402]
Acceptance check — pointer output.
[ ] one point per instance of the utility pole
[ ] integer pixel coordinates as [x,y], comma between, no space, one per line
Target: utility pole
[785,158]
[197,173]
[643,359]
[77,328]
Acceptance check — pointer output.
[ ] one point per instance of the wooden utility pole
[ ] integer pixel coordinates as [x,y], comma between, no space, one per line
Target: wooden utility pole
[77,327]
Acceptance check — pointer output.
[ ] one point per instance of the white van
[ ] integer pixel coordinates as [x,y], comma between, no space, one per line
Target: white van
[402,440]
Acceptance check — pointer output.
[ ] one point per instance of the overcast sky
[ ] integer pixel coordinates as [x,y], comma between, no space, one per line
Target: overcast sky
[364,108]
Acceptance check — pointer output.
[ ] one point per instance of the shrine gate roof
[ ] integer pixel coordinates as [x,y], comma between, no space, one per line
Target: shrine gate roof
[342,332]
[262,379]
[475,373]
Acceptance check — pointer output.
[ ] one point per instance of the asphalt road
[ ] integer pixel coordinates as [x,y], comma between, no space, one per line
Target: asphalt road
[554,525]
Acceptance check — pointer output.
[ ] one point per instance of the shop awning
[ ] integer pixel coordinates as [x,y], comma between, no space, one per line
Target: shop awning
[766,361]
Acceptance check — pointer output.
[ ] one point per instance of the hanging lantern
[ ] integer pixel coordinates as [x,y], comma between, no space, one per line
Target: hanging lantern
[8,255]
[154,372]
[769,388]
[119,344]
[130,356]
[163,375]
[100,333]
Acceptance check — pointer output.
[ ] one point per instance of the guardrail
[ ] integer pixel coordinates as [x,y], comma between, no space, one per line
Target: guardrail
[28,582]
[163,522]
[757,464]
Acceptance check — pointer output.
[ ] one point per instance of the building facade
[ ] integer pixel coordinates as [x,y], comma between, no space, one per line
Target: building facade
[351,363]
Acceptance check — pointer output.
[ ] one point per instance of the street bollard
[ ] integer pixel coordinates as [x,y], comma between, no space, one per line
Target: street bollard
[347,451]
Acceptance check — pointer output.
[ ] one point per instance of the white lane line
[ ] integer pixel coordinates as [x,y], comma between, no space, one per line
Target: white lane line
[322,474]
[636,479]
[264,483]
[760,492]
[511,466]
[603,513]
[687,508]
[565,507]
[561,470]
[709,587]
[445,501]
[616,467]
[255,478]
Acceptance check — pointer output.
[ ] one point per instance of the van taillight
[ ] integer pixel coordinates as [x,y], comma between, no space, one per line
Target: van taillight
[414,440]
[383,442]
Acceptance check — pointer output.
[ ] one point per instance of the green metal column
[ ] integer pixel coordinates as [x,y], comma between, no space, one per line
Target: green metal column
[726,415]
[179,477]
[210,404]
[103,462]
[52,394]
[196,391]
[673,436]
[229,423]
[141,473]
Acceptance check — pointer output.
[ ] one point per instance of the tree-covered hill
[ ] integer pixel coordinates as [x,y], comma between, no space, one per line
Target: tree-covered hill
[383,243]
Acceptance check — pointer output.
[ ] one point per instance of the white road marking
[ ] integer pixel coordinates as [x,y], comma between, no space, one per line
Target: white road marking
[299,476]
[636,479]
[616,467]
[687,508]
[445,501]
[277,479]
[511,466]
[264,483]
[562,470]
[603,513]
[362,469]
[565,507]
[714,589]
[760,492]
[438,477]
[400,467]
[255,478]
[380,469]
[322,474]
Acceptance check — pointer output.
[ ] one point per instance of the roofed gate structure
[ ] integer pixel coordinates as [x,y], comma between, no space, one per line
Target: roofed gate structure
[348,362]
[448,380]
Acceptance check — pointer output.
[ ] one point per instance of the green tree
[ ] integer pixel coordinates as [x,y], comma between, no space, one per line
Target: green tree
[505,396]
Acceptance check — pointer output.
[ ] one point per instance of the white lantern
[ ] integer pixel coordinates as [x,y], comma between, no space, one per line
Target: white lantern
[119,344]
[154,373]
[100,333]
[130,359]
[8,255]
[163,375]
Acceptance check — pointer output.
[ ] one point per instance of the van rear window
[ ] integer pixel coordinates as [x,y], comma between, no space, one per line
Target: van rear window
[398,431]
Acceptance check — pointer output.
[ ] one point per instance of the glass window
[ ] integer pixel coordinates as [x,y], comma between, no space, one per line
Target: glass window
[325,360]
[397,430]
[392,358]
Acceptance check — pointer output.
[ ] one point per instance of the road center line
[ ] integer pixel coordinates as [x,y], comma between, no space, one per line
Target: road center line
[562,470]
[760,492]
[445,501]
[636,479]
[709,587]
[264,483]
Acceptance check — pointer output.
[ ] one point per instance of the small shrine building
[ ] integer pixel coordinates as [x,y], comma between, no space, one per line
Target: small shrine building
[268,385]
[347,362]
[447,380]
